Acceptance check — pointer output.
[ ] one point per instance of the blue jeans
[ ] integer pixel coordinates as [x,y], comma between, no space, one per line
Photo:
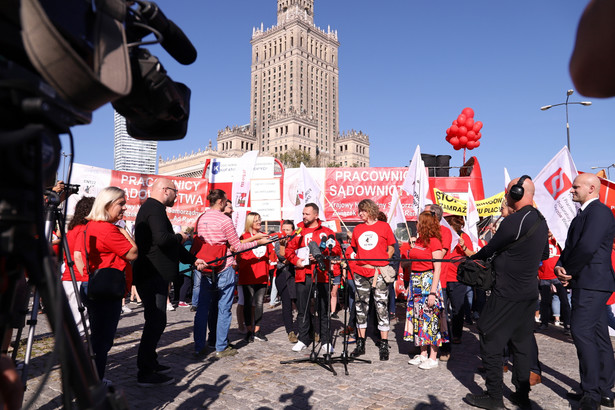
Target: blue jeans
[225,286]
[196,287]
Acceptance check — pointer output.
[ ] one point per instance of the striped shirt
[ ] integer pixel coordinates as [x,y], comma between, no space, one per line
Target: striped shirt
[216,228]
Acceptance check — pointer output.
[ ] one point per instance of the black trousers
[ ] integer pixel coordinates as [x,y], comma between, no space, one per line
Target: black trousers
[507,322]
[590,334]
[456,294]
[546,297]
[285,282]
[154,292]
[304,315]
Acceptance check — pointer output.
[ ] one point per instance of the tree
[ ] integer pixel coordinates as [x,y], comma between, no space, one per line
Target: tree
[294,157]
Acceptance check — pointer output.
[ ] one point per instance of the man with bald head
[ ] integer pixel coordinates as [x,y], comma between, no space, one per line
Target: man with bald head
[585,264]
[508,315]
[160,250]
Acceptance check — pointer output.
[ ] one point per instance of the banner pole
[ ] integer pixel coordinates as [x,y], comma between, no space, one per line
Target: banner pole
[335,211]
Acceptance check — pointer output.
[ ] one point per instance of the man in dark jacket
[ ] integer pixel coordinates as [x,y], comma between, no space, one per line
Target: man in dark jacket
[585,264]
[508,316]
[160,251]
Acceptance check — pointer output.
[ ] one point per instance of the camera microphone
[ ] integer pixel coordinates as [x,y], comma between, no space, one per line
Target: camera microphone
[297,232]
[315,252]
[330,242]
[174,41]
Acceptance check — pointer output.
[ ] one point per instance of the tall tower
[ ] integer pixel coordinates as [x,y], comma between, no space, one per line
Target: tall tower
[130,154]
[294,84]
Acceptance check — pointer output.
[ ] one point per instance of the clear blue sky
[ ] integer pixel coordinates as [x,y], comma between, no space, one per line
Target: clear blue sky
[407,69]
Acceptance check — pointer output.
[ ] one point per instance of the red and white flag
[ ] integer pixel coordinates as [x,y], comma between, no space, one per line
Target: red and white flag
[241,189]
[416,184]
[396,212]
[471,226]
[552,196]
[308,191]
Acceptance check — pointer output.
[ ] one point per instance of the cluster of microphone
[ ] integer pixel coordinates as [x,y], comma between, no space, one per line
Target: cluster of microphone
[316,249]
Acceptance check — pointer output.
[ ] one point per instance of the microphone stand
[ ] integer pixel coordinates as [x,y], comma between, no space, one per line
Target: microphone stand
[325,361]
[345,358]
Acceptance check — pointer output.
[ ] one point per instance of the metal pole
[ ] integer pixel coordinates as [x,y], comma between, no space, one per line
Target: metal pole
[567,123]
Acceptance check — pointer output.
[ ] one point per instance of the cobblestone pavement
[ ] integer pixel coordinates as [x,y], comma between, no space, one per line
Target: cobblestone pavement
[255,379]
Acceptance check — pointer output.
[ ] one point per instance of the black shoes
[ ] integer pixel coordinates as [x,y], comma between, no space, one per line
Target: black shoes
[162,369]
[384,349]
[604,400]
[521,400]
[258,335]
[484,401]
[360,348]
[153,380]
[249,337]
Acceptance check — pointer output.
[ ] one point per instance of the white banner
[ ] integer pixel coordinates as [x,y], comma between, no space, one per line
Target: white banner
[241,188]
[224,169]
[471,226]
[553,196]
[308,191]
[396,212]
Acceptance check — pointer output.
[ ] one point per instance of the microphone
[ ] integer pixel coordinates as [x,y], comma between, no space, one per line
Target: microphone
[330,242]
[297,232]
[315,252]
[174,41]
[323,244]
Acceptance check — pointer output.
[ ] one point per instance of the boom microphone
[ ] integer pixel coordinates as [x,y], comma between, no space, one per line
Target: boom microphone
[297,232]
[315,252]
[174,41]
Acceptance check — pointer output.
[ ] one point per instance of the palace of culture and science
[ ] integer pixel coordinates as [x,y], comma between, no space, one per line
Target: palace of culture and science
[294,100]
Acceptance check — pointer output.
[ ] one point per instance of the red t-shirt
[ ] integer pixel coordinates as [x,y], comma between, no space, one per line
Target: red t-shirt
[422,251]
[449,269]
[106,246]
[352,265]
[372,241]
[71,237]
[254,265]
[547,268]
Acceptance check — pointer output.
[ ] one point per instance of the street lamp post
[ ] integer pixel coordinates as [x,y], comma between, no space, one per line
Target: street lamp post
[608,173]
[568,94]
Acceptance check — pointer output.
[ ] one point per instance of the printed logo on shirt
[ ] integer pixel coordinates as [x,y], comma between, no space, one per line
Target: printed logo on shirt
[558,183]
[259,252]
[307,238]
[368,240]
[553,251]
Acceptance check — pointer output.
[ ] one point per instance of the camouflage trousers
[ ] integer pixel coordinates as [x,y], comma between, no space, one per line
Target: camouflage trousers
[381,299]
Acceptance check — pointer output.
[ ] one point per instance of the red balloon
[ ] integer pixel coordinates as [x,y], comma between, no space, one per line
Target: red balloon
[477,144]
[455,122]
[457,147]
[448,138]
[463,141]
[454,141]
[461,120]
[462,132]
[454,130]
[471,144]
[469,123]
[468,112]
[478,135]
[477,126]
[471,136]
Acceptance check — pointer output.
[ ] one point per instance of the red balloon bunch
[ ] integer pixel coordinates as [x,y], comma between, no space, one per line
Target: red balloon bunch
[465,132]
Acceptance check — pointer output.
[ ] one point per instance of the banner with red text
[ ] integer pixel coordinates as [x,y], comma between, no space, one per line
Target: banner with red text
[190,202]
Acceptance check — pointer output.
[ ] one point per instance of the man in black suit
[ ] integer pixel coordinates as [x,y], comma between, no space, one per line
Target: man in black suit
[158,263]
[585,264]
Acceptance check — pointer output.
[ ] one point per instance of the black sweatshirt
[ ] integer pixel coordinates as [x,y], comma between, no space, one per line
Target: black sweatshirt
[517,268]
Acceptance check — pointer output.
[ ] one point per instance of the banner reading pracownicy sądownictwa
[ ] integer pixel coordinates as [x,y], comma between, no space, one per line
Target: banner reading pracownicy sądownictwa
[190,202]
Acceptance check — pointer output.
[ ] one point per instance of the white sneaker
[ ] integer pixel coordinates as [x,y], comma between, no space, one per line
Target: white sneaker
[418,359]
[558,323]
[126,309]
[299,346]
[327,348]
[170,307]
[428,364]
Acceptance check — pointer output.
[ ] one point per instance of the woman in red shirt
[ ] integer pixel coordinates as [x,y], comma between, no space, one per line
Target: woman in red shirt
[75,229]
[424,324]
[253,270]
[104,245]
[374,243]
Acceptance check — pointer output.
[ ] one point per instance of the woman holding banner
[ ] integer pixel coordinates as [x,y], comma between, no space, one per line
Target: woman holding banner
[253,269]
[424,324]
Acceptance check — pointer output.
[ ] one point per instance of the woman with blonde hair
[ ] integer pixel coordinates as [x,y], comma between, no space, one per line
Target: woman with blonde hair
[253,269]
[104,245]
[424,324]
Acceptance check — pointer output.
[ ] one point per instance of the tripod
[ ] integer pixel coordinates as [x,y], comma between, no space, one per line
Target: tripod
[325,362]
[345,358]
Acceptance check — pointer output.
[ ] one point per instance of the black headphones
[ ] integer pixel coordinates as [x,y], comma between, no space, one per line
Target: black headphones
[516,191]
